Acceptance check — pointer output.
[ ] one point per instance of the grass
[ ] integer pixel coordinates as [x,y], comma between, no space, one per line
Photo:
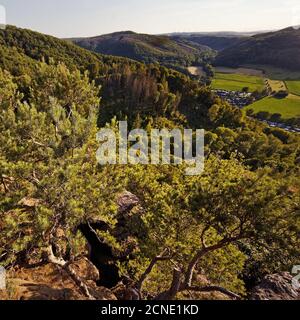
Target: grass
[293,87]
[236,82]
[288,107]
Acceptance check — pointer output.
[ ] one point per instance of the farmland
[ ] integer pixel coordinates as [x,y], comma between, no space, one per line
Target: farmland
[231,79]
[288,107]
[276,85]
[242,70]
[237,82]
[293,87]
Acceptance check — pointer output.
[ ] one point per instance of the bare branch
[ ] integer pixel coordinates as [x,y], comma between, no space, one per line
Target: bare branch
[203,236]
[212,289]
[38,143]
[4,184]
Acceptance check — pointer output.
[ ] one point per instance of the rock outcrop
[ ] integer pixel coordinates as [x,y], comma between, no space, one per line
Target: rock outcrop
[97,269]
[276,287]
[49,282]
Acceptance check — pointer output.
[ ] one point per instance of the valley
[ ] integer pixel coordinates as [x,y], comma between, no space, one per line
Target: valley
[229,53]
[175,53]
[274,100]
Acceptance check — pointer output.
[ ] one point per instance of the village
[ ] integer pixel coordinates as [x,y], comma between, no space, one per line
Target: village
[242,99]
[236,98]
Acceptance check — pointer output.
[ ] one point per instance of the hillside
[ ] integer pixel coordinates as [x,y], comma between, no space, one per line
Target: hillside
[22,49]
[278,49]
[147,48]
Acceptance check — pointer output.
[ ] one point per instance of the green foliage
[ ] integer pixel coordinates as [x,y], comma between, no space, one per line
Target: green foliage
[227,202]
[48,153]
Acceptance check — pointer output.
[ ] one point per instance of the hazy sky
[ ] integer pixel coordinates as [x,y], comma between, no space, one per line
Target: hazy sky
[66,18]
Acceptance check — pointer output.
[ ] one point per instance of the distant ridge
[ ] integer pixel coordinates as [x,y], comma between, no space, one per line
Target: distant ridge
[219,33]
[278,48]
[147,48]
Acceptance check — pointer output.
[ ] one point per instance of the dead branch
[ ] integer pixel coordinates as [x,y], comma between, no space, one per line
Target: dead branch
[66,266]
[212,289]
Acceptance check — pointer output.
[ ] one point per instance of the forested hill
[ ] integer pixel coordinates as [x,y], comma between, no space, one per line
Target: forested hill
[20,47]
[148,48]
[128,87]
[215,42]
[279,49]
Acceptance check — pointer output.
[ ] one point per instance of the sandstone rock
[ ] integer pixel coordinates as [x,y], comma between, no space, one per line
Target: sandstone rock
[85,269]
[60,233]
[50,282]
[276,287]
[101,293]
[29,202]
[126,201]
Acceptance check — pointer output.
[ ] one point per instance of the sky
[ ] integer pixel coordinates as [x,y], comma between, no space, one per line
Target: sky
[82,18]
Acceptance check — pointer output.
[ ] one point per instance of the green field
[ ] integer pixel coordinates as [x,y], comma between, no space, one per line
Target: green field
[288,107]
[293,87]
[236,82]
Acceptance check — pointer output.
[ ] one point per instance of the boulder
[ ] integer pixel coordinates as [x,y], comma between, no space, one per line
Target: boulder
[276,287]
[29,202]
[126,201]
[85,269]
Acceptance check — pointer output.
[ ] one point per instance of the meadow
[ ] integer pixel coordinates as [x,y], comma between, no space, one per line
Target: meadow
[288,107]
[293,86]
[236,82]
